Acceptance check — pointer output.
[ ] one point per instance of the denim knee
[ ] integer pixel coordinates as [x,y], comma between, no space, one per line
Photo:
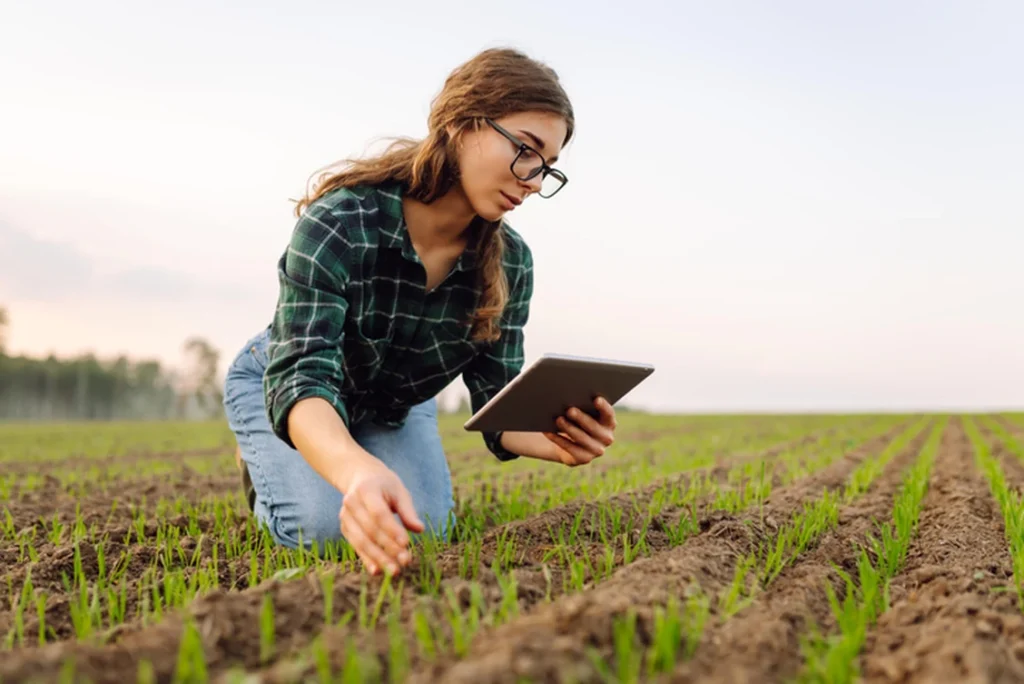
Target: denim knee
[317,519]
[314,518]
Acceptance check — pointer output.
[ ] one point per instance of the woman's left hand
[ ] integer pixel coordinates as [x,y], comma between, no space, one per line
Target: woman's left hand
[582,438]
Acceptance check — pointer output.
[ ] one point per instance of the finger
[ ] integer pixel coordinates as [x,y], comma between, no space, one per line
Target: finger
[607,412]
[401,501]
[595,429]
[581,437]
[385,550]
[380,510]
[381,526]
[346,531]
[606,416]
[371,554]
[563,455]
[573,454]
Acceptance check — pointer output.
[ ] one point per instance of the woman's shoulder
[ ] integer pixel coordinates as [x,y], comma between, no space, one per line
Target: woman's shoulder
[342,228]
[360,207]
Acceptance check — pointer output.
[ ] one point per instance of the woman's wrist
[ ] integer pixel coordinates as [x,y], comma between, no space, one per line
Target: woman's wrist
[348,464]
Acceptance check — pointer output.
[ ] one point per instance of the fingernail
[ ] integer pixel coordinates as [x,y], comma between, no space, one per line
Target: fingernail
[404,557]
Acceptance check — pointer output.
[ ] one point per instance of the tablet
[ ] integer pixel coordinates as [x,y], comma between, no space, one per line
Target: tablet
[553,384]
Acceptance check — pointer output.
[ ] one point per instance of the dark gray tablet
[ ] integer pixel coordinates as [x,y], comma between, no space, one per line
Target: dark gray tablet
[553,384]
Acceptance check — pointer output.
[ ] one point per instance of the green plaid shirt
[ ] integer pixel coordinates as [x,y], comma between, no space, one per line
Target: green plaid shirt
[355,325]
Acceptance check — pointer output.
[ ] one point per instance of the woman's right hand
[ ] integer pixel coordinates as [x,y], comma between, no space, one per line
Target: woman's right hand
[374,493]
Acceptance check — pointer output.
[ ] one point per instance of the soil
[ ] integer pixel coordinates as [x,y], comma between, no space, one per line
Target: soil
[228,618]
[57,466]
[954,615]
[54,500]
[762,642]
[525,481]
[552,643]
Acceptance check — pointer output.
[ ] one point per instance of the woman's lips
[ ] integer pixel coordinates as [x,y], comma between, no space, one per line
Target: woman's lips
[510,201]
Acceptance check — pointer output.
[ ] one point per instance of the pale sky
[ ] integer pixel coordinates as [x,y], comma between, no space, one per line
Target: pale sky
[781,205]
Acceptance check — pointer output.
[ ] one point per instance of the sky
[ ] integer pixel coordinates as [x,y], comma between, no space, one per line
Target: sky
[785,206]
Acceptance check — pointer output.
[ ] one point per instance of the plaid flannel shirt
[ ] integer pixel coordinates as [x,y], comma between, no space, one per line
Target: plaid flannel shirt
[355,325]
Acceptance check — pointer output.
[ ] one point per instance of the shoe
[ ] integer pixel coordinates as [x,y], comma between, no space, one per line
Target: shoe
[250,491]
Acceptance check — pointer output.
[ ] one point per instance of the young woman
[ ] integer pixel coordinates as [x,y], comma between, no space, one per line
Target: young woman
[401,275]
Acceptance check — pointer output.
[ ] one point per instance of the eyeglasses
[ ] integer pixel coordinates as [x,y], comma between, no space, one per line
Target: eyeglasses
[529,162]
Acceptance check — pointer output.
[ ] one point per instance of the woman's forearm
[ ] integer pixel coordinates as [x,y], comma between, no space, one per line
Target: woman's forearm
[320,435]
[530,444]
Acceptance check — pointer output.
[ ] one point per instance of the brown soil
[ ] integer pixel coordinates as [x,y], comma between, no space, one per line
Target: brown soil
[724,461]
[552,643]
[1013,466]
[952,618]
[762,642]
[40,507]
[228,619]
[1013,427]
[476,463]
[58,466]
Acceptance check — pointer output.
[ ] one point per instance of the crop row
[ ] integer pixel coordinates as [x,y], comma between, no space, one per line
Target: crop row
[183,562]
[442,625]
[531,557]
[106,596]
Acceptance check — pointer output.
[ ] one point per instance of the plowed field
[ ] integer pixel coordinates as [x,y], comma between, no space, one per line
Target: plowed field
[884,548]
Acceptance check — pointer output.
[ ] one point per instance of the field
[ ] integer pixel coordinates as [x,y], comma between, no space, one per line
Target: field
[884,548]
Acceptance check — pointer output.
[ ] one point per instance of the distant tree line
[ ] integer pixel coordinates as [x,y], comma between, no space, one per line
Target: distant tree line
[88,388]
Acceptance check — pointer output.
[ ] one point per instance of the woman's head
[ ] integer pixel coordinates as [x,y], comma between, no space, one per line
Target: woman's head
[500,117]
[488,107]
[507,159]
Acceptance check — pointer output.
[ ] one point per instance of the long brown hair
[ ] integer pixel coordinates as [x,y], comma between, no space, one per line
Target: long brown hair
[495,83]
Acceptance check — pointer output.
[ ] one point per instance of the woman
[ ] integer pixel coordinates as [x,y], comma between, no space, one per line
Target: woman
[400,276]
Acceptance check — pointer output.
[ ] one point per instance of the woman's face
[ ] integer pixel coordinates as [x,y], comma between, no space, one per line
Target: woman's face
[486,156]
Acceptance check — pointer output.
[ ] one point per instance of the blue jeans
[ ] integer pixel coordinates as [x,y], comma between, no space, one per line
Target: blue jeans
[292,497]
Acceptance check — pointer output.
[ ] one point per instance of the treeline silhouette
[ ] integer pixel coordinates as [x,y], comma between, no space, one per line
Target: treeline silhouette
[85,387]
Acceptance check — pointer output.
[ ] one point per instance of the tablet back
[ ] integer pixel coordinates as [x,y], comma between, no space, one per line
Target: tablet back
[553,384]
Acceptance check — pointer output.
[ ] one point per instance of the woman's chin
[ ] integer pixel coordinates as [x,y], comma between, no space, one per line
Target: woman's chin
[490,213]
[490,210]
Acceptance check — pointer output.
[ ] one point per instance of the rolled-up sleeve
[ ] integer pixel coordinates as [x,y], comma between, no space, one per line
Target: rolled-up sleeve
[305,350]
[499,363]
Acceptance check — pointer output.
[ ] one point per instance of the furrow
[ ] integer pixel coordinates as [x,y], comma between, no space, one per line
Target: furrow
[762,643]
[229,622]
[556,641]
[951,617]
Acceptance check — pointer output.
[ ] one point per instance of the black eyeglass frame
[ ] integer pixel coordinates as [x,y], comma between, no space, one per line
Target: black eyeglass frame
[523,147]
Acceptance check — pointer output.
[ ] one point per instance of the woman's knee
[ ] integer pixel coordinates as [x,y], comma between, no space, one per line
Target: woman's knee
[316,520]
[309,519]
[319,522]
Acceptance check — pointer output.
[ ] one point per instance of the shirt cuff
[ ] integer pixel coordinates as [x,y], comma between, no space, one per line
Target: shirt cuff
[281,404]
[493,441]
